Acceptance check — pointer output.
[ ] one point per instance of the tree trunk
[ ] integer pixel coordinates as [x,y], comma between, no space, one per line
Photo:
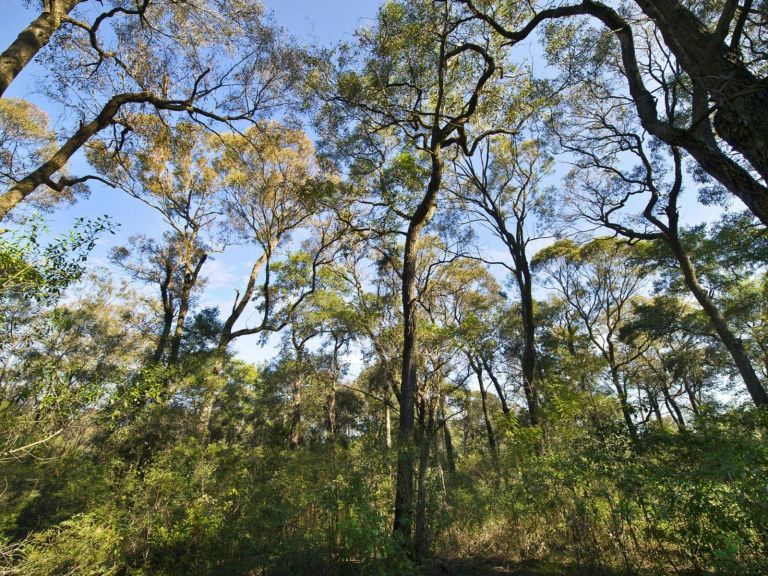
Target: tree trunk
[496,385]
[486,417]
[741,116]
[450,455]
[190,280]
[32,39]
[528,360]
[167,299]
[295,438]
[403,520]
[623,401]
[674,408]
[731,342]
[426,425]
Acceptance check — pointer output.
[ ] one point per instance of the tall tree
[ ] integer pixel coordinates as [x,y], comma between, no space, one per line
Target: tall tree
[714,51]
[422,79]
[599,280]
[218,63]
[502,185]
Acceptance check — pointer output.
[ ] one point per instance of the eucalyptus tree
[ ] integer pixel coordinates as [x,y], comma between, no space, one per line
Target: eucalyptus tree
[169,169]
[214,62]
[714,53]
[684,362]
[599,281]
[631,183]
[34,37]
[420,81]
[501,187]
[271,187]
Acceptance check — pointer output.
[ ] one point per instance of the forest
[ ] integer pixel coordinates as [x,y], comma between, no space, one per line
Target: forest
[479,288]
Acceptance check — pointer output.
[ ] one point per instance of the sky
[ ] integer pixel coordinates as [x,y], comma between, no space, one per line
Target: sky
[311,22]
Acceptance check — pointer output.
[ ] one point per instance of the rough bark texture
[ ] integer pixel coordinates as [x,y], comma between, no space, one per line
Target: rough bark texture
[740,99]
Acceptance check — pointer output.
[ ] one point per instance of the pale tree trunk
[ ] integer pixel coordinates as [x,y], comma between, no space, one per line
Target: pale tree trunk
[32,39]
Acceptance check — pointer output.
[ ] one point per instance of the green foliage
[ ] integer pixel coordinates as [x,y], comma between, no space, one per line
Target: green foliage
[35,270]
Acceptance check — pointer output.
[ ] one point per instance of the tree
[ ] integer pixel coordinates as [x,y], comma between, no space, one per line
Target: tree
[639,202]
[218,63]
[598,280]
[424,88]
[272,186]
[33,38]
[169,169]
[714,54]
[502,185]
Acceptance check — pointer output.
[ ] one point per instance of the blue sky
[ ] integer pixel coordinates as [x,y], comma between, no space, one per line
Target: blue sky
[322,22]
[318,22]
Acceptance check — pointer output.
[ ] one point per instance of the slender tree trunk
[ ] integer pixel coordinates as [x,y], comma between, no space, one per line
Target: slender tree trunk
[486,416]
[691,396]
[403,520]
[450,455]
[190,280]
[528,360]
[295,438]
[496,385]
[32,39]
[673,408]
[621,393]
[421,549]
[731,342]
[167,299]
[242,302]
[387,427]
[654,402]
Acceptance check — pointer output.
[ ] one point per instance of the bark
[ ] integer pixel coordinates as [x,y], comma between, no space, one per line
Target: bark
[654,406]
[486,416]
[403,521]
[190,280]
[741,116]
[740,98]
[387,427]
[674,408]
[426,426]
[691,396]
[167,300]
[295,438]
[477,368]
[241,302]
[295,435]
[43,174]
[621,393]
[528,359]
[496,385]
[32,39]
[731,342]
[450,454]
